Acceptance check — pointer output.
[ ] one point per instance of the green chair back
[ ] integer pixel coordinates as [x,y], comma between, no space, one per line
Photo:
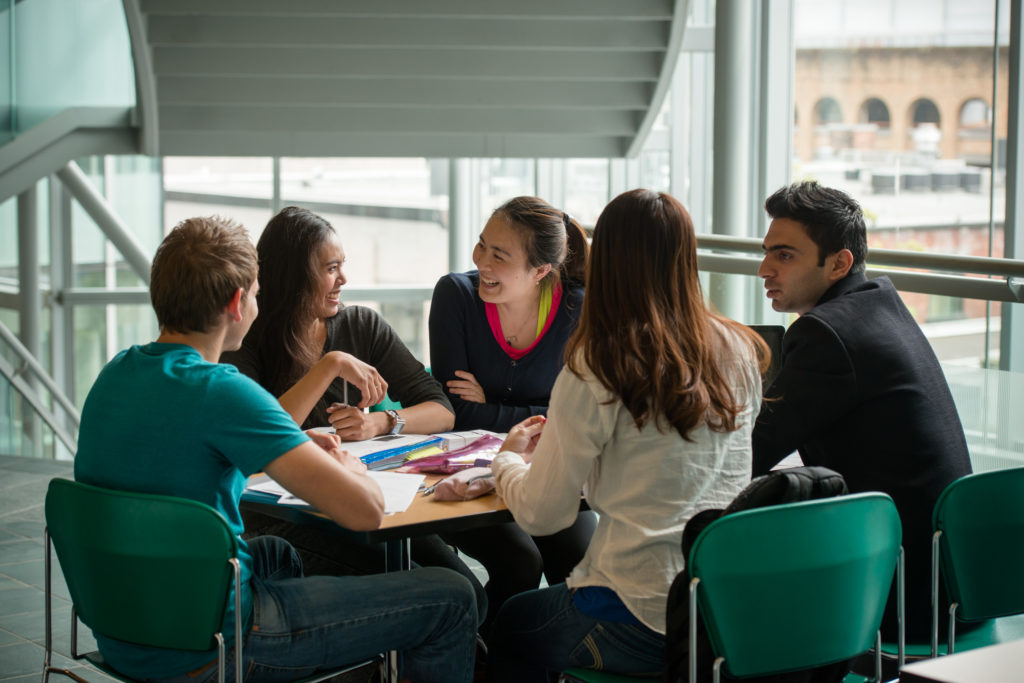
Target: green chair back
[796,586]
[980,522]
[146,569]
[389,403]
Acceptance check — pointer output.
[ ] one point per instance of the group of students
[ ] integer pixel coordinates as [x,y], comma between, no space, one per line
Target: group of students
[636,393]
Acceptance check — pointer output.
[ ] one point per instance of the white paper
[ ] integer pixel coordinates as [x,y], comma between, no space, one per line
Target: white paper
[399,490]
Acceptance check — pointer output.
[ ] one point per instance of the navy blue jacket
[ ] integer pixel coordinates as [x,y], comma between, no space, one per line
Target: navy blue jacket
[461,339]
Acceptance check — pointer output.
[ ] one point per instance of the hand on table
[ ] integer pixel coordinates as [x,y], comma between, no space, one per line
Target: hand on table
[523,437]
[347,460]
[466,388]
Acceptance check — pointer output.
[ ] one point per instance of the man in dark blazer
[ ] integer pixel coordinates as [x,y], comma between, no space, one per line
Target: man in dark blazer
[860,390]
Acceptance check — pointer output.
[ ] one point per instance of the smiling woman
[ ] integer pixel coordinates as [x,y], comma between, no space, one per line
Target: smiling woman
[497,339]
[326,362]
[323,360]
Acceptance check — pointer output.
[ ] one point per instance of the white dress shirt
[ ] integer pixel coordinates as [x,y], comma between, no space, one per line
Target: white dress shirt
[644,484]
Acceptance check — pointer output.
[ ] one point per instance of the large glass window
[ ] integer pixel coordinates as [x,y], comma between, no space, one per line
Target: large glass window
[899,96]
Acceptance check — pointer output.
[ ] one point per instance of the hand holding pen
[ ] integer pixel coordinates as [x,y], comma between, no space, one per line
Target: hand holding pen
[372,387]
[352,423]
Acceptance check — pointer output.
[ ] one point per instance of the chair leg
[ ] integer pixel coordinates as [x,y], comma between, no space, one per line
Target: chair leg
[692,655]
[900,611]
[236,568]
[47,614]
[952,628]
[74,634]
[716,671]
[935,593]
[48,618]
[220,656]
[878,656]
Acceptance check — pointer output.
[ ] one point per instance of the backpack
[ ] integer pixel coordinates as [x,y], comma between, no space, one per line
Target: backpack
[788,485]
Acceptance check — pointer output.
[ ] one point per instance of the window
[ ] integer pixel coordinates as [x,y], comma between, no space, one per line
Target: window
[918,158]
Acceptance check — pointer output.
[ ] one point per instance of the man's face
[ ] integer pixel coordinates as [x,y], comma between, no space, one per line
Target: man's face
[792,276]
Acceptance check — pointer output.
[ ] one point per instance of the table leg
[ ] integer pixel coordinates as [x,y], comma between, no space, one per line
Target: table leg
[398,556]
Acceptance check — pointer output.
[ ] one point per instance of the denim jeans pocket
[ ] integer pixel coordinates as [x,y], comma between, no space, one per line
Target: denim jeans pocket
[621,648]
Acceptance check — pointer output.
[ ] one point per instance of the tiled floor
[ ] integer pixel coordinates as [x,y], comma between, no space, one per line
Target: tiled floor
[23,484]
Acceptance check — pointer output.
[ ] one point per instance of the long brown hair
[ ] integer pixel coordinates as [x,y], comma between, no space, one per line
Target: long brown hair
[645,332]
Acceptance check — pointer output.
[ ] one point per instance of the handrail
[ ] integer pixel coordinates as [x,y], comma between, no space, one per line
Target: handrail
[31,396]
[32,364]
[1010,290]
[955,263]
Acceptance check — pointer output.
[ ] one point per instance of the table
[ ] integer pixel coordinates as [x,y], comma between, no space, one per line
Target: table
[1000,663]
[424,516]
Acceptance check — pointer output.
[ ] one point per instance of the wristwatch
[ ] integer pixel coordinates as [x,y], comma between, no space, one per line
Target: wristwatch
[399,423]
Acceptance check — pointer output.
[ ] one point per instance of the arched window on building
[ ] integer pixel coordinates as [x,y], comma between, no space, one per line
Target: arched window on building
[924,129]
[827,111]
[974,130]
[924,111]
[874,111]
[974,116]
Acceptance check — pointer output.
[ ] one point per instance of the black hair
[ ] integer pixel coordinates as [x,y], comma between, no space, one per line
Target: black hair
[549,236]
[833,220]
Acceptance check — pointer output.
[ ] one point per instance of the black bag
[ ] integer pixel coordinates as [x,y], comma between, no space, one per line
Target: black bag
[789,485]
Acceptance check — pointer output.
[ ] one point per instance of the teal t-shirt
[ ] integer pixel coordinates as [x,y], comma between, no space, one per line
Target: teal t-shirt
[160,419]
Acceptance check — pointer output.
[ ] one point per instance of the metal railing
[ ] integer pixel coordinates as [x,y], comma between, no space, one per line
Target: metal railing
[997,279]
[31,372]
[1007,286]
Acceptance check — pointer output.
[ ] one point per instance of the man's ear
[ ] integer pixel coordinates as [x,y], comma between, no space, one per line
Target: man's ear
[839,264]
[234,307]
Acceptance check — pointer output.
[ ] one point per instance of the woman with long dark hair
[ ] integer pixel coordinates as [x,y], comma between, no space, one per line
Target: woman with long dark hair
[497,339]
[651,418]
[304,347]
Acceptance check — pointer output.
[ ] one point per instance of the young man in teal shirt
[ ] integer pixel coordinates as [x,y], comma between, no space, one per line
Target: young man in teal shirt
[167,418]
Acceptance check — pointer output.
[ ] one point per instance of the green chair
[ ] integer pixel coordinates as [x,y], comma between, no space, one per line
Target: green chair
[978,551]
[146,569]
[389,403]
[795,586]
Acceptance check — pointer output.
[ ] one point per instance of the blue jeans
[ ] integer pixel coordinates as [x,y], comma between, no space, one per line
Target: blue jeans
[539,633]
[304,624]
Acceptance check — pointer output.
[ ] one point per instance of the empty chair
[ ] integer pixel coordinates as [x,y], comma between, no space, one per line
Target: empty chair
[978,552]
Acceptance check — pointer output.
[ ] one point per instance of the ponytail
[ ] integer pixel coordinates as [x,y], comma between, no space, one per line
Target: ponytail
[577,252]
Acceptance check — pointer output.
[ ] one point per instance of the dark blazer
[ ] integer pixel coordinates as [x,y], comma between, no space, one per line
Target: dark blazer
[860,391]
